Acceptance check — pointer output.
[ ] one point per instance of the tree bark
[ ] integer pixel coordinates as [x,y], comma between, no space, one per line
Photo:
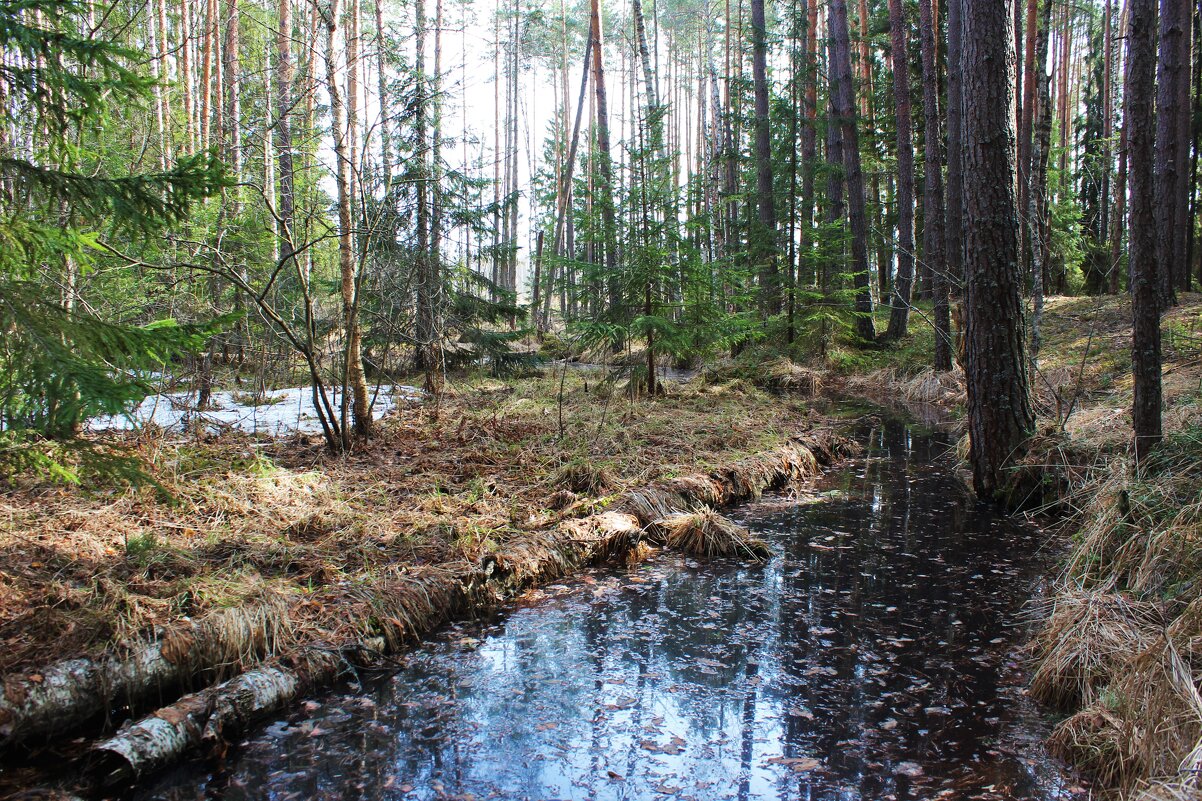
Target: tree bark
[1118,219]
[845,115]
[932,195]
[354,379]
[899,315]
[1026,126]
[385,106]
[231,128]
[1037,197]
[1172,82]
[763,240]
[1000,418]
[1142,232]
[954,252]
[425,340]
[187,81]
[605,164]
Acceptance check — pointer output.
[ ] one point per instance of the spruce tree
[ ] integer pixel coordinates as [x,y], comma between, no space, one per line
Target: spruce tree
[60,363]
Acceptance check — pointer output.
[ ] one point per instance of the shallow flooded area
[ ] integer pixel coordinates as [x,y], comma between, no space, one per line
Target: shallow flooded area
[873,657]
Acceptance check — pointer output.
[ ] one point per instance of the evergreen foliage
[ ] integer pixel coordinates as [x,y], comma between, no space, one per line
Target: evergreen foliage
[61,363]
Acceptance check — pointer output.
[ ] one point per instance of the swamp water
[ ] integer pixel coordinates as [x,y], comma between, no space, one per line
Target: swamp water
[872,658]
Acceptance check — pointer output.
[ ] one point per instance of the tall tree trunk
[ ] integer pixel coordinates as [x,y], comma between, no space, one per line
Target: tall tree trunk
[605,166]
[434,277]
[188,85]
[382,48]
[231,128]
[1142,232]
[1172,85]
[425,346]
[1107,100]
[955,147]
[836,206]
[884,248]
[565,189]
[932,195]
[162,108]
[899,315]
[1000,418]
[283,130]
[354,379]
[845,114]
[496,149]
[1026,127]
[809,130]
[1037,201]
[206,74]
[763,240]
[352,113]
[1118,219]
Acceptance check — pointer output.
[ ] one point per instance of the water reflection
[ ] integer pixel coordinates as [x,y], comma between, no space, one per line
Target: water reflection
[871,659]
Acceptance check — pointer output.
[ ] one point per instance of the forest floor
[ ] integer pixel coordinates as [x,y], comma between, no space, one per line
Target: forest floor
[243,521]
[247,520]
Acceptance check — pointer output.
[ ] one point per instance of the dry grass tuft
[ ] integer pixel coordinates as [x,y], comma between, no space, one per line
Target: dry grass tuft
[585,478]
[940,389]
[1092,739]
[707,533]
[1183,790]
[787,376]
[944,390]
[1085,639]
[652,504]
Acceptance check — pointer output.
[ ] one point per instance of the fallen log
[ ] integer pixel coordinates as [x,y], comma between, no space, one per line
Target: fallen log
[205,718]
[63,696]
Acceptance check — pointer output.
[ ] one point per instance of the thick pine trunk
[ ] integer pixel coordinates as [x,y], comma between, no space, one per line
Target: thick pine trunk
[899,315]
[1142,231]
[1000,418]
[845,115]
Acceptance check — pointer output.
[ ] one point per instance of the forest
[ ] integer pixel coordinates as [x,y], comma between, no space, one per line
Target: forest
[361,358]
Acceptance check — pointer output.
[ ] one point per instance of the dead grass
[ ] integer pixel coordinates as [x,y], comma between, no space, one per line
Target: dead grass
[707,533]
[1121,645]
[84,569]
[1086,637]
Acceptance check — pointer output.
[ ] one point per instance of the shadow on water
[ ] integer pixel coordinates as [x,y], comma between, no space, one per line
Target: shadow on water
[872,658]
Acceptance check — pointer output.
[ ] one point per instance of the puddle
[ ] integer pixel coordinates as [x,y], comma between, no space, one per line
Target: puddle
[277,413]
[872,658]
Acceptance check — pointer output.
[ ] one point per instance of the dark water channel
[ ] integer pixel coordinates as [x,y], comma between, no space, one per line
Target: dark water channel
[873,658]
